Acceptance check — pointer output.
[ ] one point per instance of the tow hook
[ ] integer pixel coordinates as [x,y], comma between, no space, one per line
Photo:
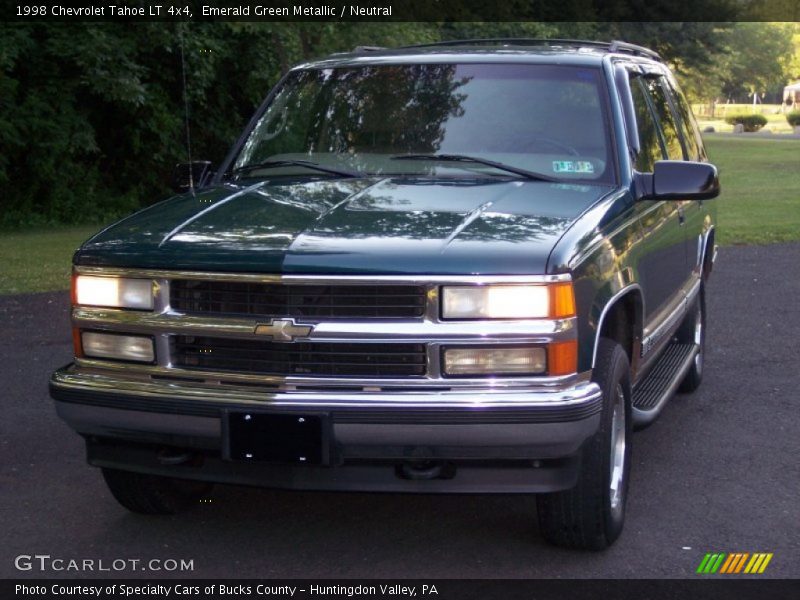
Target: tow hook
[174,456]
[427,469]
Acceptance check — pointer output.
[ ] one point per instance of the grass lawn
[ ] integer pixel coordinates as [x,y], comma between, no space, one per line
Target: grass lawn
[776,120]
[760,201]
[39,261]
[775,124]
[760,204]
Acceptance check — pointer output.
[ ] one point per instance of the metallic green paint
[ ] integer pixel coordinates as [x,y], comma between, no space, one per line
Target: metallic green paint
[375,225]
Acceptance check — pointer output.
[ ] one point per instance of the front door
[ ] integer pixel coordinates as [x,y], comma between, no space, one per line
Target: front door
[663,264]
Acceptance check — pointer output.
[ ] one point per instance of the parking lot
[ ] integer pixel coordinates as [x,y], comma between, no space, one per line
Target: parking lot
[718,472]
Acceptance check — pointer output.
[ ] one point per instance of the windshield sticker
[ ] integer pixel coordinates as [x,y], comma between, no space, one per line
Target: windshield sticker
[572,166]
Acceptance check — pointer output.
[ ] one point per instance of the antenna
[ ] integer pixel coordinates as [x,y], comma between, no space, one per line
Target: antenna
[181,27]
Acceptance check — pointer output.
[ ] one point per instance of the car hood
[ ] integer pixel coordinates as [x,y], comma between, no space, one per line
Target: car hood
[377,225]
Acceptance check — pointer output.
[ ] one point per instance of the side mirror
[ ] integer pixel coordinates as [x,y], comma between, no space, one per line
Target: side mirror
[679,180]
[197,173]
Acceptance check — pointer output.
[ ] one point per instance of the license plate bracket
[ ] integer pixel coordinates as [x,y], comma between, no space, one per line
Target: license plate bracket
[285,438]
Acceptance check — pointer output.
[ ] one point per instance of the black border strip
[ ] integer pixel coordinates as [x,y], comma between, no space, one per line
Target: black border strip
[413,11]
[716,588]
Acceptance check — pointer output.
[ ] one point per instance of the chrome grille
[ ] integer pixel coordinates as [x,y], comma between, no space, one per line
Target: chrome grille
[326,359]
[328,301]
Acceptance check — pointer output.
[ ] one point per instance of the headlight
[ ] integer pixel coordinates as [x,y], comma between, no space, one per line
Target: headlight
[115,292]
[508,301]
[137,348]
[527,360]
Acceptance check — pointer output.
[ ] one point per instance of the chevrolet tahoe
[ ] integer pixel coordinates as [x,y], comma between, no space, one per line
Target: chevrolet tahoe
[462,267]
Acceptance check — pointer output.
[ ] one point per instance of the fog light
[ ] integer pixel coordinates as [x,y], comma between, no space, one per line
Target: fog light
[118,347]
[526,360]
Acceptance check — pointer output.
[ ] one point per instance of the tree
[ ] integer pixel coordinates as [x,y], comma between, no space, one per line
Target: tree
[92,114]
[758,60]
[751,57]
[793,67]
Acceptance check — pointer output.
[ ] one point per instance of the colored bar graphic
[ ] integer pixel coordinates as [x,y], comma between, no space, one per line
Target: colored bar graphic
[703,563]
[732,559]
[729,564]
[757,566]
[749,567]
[718,564]
[734,563]
[764,564]
[755,563]
[741,563]
[711,563]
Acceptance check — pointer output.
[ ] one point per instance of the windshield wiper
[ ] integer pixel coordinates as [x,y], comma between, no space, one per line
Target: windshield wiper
[481,161]
[268,164]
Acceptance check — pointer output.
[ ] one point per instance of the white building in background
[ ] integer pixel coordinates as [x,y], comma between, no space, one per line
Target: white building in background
[791,96]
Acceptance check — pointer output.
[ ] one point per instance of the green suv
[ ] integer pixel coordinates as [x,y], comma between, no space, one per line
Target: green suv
[463,267]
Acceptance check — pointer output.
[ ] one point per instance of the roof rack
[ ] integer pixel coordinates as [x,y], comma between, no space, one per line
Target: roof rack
[619,46]
[613,46]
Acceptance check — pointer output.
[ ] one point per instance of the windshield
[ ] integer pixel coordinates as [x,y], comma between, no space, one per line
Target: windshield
[543,119]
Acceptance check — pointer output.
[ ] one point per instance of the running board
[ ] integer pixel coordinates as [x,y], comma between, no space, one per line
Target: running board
[658,386]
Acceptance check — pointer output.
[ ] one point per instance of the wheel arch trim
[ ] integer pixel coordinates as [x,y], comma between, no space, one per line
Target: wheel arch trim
[634,288]
[708,235]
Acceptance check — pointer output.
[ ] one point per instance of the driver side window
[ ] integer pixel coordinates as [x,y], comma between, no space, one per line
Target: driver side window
[649,142]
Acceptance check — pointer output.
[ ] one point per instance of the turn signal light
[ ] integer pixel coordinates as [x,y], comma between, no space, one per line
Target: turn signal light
[562,358]
[562,300]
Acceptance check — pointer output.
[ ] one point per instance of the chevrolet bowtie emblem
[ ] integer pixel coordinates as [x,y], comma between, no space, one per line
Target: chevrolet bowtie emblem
[284,330]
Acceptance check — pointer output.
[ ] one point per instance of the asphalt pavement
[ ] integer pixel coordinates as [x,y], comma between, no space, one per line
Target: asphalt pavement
[718,472]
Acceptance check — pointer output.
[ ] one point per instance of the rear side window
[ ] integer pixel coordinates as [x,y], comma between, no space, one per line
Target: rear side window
[649,146]
[669,129]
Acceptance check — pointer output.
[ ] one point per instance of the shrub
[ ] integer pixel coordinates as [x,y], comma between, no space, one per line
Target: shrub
[750,122]
[793,118]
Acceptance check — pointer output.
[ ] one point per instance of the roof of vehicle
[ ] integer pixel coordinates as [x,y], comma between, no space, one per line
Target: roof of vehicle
[523,50]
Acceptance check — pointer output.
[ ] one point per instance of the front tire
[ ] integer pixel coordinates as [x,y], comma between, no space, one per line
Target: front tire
[590,516]
[152,494]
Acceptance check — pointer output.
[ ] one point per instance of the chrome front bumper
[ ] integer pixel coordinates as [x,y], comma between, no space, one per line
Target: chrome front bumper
[90,381]
[502,441]
[460,424]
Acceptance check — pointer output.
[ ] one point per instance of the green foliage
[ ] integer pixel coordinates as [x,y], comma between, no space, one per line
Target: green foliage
[750,122]
[92,114]
[793,118]
[762,54]
[747,58]
[793,65]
